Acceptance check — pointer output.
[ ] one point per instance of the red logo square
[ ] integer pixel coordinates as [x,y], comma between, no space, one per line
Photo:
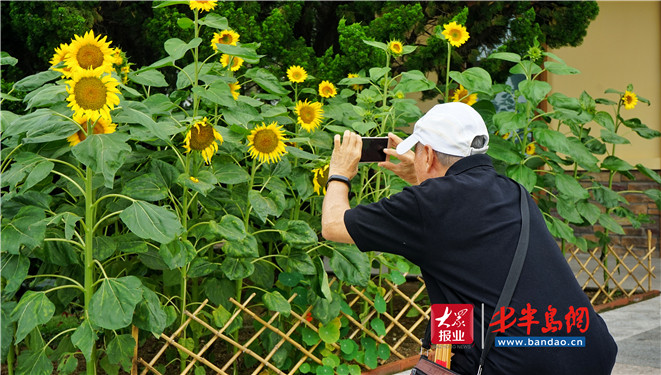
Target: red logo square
[451,323]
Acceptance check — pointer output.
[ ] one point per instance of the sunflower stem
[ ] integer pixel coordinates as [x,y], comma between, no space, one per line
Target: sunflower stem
[89,257]
[447,75]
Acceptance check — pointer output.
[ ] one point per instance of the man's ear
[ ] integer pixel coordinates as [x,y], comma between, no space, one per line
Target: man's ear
[429,157]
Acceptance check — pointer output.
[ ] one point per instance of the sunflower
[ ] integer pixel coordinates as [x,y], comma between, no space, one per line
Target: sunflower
[327,89]
[629,99]
[224,37]
[101,126]
[296,74]
[125,73]
[61,55]
[455,34]
[395,46]
[89,53]
[236,62]
[530,149]
[355,87]
[204,6]
[117,56]
[266,142]
[234,88]
[320,179]
[202,137]
[93,94]
[462,95]
[309,114]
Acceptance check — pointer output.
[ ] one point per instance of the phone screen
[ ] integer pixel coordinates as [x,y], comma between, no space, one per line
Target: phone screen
[373,149]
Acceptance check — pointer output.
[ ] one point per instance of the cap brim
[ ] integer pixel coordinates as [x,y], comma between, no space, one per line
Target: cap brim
[406,145]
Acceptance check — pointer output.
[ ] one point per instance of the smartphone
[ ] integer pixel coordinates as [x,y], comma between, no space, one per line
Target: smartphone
[373,149]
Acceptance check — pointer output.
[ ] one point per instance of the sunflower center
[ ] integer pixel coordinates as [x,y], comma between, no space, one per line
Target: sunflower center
[327,90]
[90,93]
[201,137]
[89,56]
[455,34]
[307,114]
[226,39]
[297,75]
[265,141]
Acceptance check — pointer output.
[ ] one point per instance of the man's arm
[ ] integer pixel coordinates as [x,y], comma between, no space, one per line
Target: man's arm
[344,162]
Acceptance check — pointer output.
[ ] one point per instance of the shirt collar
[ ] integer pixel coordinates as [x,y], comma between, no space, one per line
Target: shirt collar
[469,162]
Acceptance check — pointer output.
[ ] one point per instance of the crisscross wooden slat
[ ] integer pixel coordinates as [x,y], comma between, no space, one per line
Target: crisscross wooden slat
[175,334]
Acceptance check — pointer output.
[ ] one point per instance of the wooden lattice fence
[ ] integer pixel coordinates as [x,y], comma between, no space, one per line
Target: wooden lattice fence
[385,326]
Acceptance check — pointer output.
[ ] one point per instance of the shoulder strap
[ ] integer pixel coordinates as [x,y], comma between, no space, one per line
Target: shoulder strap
[510,282]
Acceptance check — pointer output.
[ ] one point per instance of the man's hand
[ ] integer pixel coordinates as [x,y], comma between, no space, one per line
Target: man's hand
[406,167]
[346,155]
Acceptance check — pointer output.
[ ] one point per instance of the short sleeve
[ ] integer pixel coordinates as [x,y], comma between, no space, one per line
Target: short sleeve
[392,225]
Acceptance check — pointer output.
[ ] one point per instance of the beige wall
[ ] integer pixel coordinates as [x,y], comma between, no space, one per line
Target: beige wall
[622,46]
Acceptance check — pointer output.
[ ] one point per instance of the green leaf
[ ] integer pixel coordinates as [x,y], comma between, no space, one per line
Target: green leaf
[503,150]
[215,21]
[475,80]
[507,56]
[138,113]
[185,23]
[177,253]
[218,93]
[556,141]
[120,351]
[559,229]
[297,152]
[265,80]
[330,332]
[34,363]
[248,53]
[104,153]
[527,68]
[14,270]
[558,100]
[610,224]
[262,206]
[113,304]
[34,81]
[610,136]
[414,81]
[371,355]
[220,316]
[348,346]
[607,197]
[274,301]
[379,304]
[351,265]
[614,163]
[383,350]
[201,267]
[589,211]
[509,122]
[245,247]
[377,73]
[641,129]
[177,48]
[378,326]
[655,195]
[534,91]
[380,45]
[523,175]
[206,181]
[232,228]
[649,173]
[32,310]
[324,370]
[297,232]
[569,186]
[27,228]
[149,314]
[7,59]
[560,68]
[237,268]
[84,339]
[567,210]
[309,336]
[298,261]
[67,365]
[145,187]
[152,78]
[230,174]
[40,171]
[45,96]
[152,222]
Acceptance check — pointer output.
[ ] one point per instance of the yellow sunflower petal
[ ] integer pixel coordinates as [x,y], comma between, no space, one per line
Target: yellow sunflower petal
[296,74]
[309,114]
[327,89]
[266,143]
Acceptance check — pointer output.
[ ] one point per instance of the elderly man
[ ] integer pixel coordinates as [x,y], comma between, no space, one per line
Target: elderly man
[460,223]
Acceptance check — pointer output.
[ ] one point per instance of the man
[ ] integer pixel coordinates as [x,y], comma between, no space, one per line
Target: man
[460,224]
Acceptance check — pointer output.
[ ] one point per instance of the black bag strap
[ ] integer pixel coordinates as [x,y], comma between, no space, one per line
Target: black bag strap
[510,282]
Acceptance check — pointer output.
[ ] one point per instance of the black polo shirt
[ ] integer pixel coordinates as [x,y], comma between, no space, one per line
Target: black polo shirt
[462,230]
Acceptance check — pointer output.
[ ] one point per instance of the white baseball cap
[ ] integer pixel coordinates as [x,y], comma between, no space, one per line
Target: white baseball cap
[449,128]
